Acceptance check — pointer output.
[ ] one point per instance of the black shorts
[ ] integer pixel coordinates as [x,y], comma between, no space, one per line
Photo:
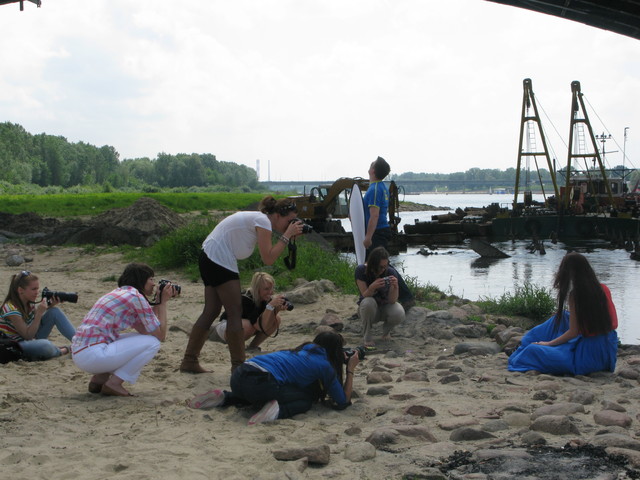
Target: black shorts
[212,274]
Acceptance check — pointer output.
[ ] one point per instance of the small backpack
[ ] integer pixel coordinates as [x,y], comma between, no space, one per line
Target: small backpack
[10,350]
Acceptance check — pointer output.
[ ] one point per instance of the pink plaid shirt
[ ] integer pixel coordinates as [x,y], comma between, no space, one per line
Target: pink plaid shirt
[122,309]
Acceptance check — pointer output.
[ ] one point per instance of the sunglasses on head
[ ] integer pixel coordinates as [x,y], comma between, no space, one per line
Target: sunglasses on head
[24,273]
[286,209]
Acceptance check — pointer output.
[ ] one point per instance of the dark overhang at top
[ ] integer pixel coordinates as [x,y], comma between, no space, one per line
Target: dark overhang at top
[21,2]
[620,16]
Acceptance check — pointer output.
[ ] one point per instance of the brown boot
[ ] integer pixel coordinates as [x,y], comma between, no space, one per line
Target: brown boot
[235,340]
[197,338]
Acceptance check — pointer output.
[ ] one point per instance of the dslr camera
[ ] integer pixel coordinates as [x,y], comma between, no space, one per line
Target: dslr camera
[62,296]
[287,304]
[163,283]
[350,352]
[306,228]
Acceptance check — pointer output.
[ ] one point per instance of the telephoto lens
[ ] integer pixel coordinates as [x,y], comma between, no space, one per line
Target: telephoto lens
[62,296]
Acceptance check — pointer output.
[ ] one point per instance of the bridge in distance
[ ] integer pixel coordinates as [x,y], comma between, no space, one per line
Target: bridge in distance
[409,186]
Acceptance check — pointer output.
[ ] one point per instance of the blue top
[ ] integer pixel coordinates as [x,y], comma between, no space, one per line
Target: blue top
[303,368]
[377,195]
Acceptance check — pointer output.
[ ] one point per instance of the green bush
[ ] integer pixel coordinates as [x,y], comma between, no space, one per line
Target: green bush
[530,301]
[181,248]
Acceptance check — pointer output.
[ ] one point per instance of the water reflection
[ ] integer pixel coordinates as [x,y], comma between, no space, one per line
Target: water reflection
[458,270]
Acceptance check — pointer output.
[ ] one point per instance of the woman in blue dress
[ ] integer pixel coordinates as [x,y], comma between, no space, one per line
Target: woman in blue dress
[577,341]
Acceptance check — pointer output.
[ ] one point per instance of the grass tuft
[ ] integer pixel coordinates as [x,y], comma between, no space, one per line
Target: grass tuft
[528,300]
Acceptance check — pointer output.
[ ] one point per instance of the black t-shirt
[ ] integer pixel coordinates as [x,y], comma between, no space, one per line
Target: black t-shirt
[250,310]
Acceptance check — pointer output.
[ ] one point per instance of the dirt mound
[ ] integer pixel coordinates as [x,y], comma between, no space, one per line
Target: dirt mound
[26,223]
[141,224]
[146,215]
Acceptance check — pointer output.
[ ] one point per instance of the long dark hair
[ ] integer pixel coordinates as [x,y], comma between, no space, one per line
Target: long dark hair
[376,256]
[332,344]
[19,280]
[575,277]
[136,275]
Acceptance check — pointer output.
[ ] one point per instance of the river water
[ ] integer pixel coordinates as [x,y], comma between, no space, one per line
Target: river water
[458,270]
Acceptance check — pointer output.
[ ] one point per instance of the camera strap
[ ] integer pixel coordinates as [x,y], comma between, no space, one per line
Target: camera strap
[262,328]
[290,259]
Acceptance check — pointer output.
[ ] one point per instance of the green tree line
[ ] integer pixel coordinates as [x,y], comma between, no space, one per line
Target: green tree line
[506,178]
[47,160]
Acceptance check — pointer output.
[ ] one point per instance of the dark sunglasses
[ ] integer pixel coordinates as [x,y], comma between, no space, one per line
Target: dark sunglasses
[24,273]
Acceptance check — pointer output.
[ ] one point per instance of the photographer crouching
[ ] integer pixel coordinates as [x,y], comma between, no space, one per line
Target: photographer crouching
[99,346]
[260,313]
[285,383]
[377,282]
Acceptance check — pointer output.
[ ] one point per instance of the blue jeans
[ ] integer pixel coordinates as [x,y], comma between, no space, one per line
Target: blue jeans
[251,386]
[42,349]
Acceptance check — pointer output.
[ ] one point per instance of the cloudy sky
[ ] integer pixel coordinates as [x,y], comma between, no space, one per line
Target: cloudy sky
[314,89]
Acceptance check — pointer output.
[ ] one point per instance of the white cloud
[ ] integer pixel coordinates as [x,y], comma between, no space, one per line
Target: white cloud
[318,88]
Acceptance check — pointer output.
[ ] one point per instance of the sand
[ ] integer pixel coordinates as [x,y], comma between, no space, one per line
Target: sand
[52,428]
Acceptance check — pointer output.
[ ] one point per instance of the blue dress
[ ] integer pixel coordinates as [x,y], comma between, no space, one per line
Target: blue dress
[579,356]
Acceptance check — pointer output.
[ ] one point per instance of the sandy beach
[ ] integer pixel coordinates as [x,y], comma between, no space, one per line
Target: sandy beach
[440,386]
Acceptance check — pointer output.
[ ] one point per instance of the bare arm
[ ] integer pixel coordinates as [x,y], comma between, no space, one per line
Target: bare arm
[374,214]
[270,252]
[28,332]
[378,283]
[348,381]
[573,331]
[161,312]
[394,291]
[369,290]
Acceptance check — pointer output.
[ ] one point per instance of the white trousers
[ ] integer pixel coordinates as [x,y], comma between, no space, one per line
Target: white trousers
[123,358]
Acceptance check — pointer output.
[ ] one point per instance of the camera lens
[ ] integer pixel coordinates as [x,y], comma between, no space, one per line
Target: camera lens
[62,296]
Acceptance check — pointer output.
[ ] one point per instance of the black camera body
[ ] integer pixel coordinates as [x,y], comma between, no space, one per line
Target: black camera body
[350,352]
[306,228]
[287,304]
[163,283]
[387,280]
[62,296]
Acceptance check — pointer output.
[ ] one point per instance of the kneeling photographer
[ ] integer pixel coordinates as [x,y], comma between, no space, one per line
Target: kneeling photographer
[260,312]
[29,320]
[285,383]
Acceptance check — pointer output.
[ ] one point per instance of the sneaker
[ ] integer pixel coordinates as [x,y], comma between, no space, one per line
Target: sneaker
[268,413]
[210,399]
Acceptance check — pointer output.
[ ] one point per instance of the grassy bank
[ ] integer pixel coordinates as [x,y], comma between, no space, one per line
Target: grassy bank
[70,205]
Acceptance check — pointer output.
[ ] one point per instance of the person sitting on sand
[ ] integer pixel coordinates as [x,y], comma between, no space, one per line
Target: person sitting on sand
[285,383]
[260,312]
[579,341]
[29,321]
[377,282]
[99,346]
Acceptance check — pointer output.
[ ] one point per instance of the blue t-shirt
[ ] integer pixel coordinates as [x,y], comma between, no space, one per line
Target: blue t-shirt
[377,195]
[302,369]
